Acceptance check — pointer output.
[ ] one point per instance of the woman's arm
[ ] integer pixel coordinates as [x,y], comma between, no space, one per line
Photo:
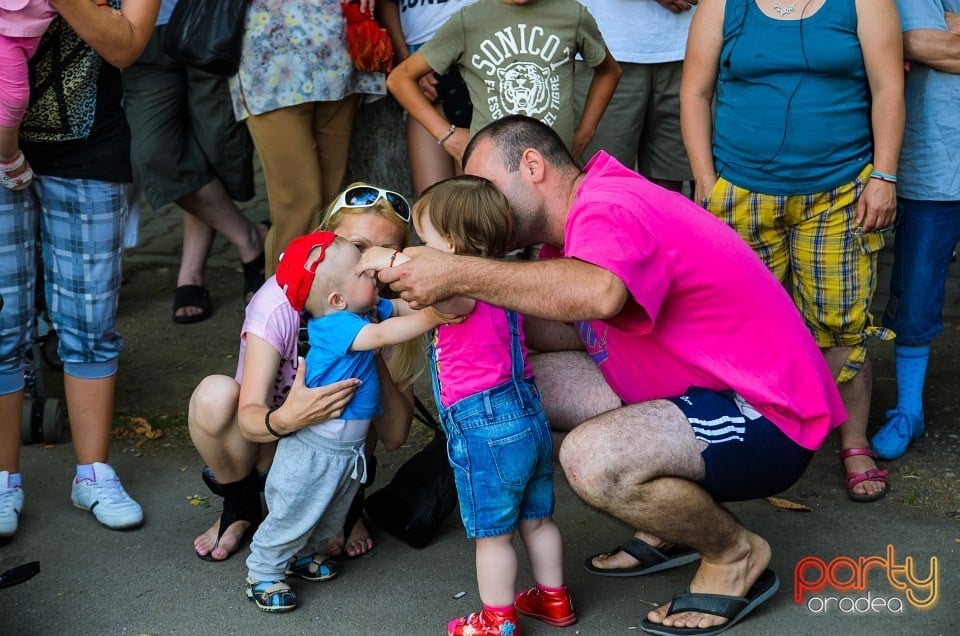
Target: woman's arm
[388,15]
[606,75]
[403,84]
[878,29]
[697,85]
[393,426]
[118,36]
[303,406]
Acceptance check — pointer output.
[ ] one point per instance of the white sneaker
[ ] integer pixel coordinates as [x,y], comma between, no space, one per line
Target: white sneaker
[107,499]
[11,503]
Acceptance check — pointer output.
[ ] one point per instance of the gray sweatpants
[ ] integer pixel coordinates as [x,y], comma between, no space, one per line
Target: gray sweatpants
[309,489]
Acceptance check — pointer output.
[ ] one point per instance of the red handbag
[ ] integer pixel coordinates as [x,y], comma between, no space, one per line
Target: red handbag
[368,43]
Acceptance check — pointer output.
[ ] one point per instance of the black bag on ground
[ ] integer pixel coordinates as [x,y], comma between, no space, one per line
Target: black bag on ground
[419,498]
[207,34]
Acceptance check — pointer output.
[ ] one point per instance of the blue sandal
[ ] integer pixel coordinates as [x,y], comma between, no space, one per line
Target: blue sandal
[313,568]
[271,596]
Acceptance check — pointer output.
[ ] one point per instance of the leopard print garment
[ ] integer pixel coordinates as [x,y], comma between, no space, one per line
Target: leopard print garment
[63,86]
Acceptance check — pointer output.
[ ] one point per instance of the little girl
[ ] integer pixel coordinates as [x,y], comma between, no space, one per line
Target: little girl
[499,442]
[22,22]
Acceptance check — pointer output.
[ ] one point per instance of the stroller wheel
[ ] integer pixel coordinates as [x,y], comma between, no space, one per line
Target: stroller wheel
[28,433]
[52,420]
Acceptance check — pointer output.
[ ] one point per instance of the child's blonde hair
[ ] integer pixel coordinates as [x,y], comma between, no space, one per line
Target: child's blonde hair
[471,213]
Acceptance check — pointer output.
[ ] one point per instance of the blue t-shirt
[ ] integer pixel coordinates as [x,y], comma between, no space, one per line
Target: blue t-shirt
[793,103]
[331,360]
[930,156]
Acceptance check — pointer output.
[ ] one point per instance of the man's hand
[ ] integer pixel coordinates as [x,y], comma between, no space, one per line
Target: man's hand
[953,22]
[425,279]
[678,6]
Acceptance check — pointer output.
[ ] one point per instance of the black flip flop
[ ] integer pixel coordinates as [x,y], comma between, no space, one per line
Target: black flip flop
[241,502]
[191,296]
[19,574]
[651,559]
[733,608]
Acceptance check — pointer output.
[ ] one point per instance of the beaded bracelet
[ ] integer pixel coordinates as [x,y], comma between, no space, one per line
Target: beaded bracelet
[447,134]
[266,423]
[883,176]
[393,257]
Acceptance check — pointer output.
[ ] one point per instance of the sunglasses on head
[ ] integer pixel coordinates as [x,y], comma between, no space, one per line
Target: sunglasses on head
[363,196]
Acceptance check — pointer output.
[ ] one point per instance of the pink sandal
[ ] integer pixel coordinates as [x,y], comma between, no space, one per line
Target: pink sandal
[874,474]
[17,174]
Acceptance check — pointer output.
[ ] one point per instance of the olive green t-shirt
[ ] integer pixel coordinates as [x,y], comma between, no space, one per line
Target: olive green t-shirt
[518,59]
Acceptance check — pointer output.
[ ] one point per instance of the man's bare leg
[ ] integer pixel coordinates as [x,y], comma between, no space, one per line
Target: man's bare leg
[650,483]
[556,373]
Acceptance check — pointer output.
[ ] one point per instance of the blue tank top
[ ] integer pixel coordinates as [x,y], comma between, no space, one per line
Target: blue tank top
[793,103]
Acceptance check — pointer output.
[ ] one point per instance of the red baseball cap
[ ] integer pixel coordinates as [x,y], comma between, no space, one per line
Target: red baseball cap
[293,275]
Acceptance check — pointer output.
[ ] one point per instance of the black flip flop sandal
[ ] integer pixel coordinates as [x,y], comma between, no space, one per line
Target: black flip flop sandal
[191,296]
[241,502]
[651,559]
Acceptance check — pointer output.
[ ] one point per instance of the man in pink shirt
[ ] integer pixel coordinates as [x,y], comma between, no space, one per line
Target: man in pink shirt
[719,393]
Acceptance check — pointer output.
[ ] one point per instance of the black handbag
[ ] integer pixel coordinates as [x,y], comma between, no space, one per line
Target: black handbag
[419,498]
[207,34]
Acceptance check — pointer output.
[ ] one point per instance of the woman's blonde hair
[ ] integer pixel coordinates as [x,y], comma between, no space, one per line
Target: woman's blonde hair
[407,360]
[471,213]
[330,218]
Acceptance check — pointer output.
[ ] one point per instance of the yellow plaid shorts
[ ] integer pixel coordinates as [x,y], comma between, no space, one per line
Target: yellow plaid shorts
[810,243]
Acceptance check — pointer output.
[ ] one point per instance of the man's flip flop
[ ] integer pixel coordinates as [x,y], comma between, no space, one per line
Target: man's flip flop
[651,559]
[734,608]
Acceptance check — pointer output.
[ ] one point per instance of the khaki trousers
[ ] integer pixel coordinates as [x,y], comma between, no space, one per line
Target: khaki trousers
[303,150]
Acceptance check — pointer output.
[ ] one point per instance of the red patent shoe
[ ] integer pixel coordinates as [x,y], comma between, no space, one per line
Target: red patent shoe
[486,622]
[552,606]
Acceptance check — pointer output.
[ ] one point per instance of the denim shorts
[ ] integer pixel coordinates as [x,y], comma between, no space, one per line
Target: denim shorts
[747,456]
[926,235]
[501,451]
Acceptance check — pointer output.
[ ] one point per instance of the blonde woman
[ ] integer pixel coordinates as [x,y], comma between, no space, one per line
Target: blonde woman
[226,414]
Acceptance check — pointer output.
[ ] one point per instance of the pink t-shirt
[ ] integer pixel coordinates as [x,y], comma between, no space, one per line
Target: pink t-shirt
[703,309]
[270,316]
[25,18]
[475,355]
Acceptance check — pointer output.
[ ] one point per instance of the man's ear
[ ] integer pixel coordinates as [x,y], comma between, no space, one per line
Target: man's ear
[531,164]
[336,300]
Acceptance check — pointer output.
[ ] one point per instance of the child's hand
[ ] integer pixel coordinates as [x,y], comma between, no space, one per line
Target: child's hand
[376,258]
[440,318]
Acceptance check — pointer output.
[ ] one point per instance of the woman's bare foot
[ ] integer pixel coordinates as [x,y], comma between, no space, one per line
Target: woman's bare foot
[206,544]
[861,464]
[335,545]
[731,574]
[359,542]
